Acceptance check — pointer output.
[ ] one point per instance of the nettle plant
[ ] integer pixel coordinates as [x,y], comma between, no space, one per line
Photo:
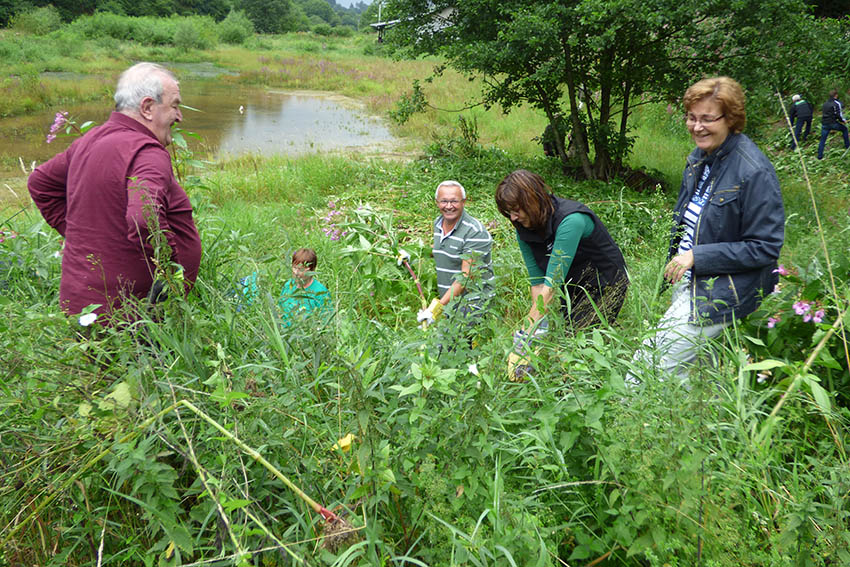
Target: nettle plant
[383,256]
[799,323]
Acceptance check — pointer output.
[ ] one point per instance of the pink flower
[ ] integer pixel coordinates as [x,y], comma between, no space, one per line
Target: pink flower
[781,270]
[818,317]
[801,307]
[807,317]
[772,321]
[58,122]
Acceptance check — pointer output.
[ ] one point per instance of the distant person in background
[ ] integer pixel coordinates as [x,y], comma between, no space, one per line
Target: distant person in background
[832,119]
[551,136]
[800,115]
[303,295]
[728,229]
[112,195]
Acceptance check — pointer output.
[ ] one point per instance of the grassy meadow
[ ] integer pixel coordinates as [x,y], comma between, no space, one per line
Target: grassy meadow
[136,445]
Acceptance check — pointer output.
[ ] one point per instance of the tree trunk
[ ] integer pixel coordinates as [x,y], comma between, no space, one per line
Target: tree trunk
[550,109]
[603,165]
[624,118]
[578,131]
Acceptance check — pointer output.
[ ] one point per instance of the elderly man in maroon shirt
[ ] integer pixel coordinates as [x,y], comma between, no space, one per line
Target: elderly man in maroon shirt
[113,194]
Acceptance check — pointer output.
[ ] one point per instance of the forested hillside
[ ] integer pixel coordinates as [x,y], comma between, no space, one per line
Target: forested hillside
[268,16]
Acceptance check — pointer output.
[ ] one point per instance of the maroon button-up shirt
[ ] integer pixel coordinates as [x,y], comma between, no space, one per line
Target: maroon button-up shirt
[106,194]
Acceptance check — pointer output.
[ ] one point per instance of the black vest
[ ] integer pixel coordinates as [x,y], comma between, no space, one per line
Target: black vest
[598,261]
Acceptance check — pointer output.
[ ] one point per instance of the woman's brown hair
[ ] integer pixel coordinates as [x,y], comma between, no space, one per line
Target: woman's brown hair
[525,191]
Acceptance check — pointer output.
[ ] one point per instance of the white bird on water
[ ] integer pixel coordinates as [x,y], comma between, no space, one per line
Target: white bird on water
[241,109]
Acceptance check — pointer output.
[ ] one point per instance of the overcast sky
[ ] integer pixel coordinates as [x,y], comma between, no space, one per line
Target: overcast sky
[348,3]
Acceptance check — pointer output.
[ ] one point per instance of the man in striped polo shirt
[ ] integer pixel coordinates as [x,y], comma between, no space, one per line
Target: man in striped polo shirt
[462,248]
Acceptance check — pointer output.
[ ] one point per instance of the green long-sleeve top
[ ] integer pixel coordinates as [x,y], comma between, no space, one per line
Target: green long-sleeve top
[569,233]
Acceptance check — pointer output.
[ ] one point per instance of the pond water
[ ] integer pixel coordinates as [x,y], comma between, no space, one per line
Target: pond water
[231,119]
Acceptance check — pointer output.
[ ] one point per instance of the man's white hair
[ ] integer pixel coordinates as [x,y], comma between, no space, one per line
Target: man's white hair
[450,183]
[140,81]
[795,98]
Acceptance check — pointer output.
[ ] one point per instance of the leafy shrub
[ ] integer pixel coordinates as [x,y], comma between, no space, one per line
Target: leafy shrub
[463,144]
[236,28]
[103,24]
[38,21]
[152,31]
[409,104]
[189,34]
[323,29]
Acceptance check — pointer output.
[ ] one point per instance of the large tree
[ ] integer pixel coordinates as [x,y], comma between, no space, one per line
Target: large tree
[268,16]
[592,60]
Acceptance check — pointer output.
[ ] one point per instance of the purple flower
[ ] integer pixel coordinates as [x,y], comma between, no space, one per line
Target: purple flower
[331,204]
[807,317]
[818,317]
[59,121]
[781,270]
[772,321]
[801,307]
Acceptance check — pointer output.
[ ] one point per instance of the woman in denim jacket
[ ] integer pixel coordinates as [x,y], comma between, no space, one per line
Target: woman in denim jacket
[729,226]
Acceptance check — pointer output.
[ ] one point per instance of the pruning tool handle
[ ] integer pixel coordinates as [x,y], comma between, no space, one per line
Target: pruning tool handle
[328,515]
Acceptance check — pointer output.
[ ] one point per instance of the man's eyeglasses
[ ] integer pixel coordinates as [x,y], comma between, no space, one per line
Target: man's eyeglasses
[445,202]
[704,119]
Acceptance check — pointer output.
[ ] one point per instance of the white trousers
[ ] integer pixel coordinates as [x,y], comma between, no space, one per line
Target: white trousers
[678,342]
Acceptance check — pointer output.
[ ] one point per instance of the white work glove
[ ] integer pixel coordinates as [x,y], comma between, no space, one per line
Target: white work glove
[523,340]
[425,315]
[542,327]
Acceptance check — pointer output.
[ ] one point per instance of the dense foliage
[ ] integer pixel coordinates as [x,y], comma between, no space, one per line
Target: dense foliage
[592,62]
[269,17]
[141,445]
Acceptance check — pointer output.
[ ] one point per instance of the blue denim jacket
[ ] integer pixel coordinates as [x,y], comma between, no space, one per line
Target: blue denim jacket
[739,234]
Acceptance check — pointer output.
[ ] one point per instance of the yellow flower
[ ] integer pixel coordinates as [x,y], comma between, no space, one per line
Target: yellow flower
[344,444]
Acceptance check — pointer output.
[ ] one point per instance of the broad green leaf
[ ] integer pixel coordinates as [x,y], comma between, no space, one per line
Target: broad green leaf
[820,395]
[231,504]
[765,365]
[120,397]
[407,390]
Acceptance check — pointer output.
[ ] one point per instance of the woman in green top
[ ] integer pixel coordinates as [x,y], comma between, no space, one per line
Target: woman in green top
[564,244]
[303,295]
